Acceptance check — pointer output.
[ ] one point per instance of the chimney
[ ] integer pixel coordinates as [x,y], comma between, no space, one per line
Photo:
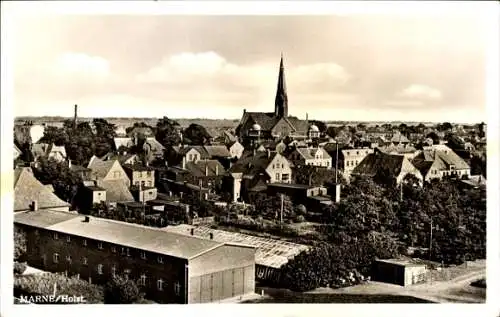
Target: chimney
[183,162]
[87,219]
[211,236]
[34,205]
[192,231]
[244,111]
[74,119]
[206,168]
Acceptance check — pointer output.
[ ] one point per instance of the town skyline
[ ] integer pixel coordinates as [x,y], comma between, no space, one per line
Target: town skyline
[331,75]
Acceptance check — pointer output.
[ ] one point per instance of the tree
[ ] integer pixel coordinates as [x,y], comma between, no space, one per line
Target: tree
[435,138]
[57,136]
[445,126]
[270,206]
[320,124]
[312,175]
[104,136]
[166,132]
[64,181]
[120,290]
[19,244]
[19,268]
[196,134]
[332,131]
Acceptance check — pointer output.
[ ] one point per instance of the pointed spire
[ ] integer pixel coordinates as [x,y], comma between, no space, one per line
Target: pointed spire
[281,102]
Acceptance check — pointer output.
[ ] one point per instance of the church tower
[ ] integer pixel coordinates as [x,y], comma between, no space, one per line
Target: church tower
[281,102]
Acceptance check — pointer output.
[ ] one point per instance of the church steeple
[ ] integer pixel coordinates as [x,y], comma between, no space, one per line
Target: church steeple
[281,102]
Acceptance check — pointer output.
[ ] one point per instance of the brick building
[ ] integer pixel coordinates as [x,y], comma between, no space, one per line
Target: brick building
[168,267]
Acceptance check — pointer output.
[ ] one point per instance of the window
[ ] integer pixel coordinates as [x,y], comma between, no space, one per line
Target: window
[85,261]
[190,157]
[55,258]
[150,184]
[99,268]
[116,174]
[143,255]
[99,246]
[56,236]
[68,238]
[142,280]
[113,270]
[137,183]
[68,258]
[282,165]
[149,173]
[160,259]
[159,284]
[113,249]
[277,176]
[285,177]
[84,242]
[177,288]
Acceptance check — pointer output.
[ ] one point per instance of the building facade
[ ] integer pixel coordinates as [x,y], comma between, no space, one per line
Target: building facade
[167,267]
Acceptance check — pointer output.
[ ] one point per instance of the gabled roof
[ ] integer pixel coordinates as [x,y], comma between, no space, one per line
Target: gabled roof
[126,142]
[310,153]
[378,161]
[154,144]
[230,136]
[57,149]
[298,124]
[122,158]
[252,164]
[266,120]
[217,151]
[28,189]
[400,149]
[182,150]
[116,190]
[199,168]
[120,233]
[443,157]
[99,167]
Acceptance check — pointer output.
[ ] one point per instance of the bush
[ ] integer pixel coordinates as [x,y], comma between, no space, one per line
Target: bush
[121,291]
[19,268]
[43,284]
[300,219]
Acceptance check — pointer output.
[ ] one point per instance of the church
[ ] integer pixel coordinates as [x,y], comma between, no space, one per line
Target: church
[273,125]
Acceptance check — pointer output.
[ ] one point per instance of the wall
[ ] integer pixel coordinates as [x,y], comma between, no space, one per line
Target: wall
[281,166]
[408,168]
[415,275]
[121,174]
[353,157]
[236,150]
[172,270]
[147,177]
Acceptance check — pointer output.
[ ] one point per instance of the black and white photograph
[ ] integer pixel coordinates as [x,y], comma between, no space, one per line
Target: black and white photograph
[249,158]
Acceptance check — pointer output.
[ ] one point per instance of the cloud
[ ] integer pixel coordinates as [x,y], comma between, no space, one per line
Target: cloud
[81,65]
[420,92]
[211,68]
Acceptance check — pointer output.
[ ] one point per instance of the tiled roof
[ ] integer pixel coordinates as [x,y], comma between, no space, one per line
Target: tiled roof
[399,138]
[230,136]
[123,159]
[378,161]
[126,142]
[217,151]
[99,167]
[401,149]
[266,120]
[137,167]
[154,144]
[182,150]
[310,153]
[28,189]
[299,125]
[120,233]
[198,169]
[252,164]
[443,157]
[269,252]
[116,190]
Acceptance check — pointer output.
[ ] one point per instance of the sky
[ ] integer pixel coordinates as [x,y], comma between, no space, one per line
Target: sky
[361,68]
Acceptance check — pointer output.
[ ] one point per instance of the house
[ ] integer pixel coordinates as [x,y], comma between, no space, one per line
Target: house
[311,156]
[438,161]
[120,131]
[142,179]
[235,149]
[111,176]
[309,196]
[193,153]
[401,149]
[17,152]
[253,171]
[229,136]
[475,181]
[398,139]
[352,157]
[168,267]
[388,166]
[207,173]
[402,272]
[269,125]
[154,148]
[271,254]
[30,194]
[123,158]
[123,142]
[90,194]
[49,151]
[84,172]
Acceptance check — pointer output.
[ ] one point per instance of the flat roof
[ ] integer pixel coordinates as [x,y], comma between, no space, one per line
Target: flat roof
[120,233]
[296,186]
[269,252]
[401,262]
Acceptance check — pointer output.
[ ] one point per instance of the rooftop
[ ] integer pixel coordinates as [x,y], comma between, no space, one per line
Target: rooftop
[117,232]
[270,252]
[401,262]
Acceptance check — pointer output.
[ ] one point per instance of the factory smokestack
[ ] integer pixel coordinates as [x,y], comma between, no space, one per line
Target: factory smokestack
[74,119]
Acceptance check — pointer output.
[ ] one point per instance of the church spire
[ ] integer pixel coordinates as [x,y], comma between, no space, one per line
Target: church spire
[281,102]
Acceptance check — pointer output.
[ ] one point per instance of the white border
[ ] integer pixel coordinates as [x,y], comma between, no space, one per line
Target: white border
[488,9]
